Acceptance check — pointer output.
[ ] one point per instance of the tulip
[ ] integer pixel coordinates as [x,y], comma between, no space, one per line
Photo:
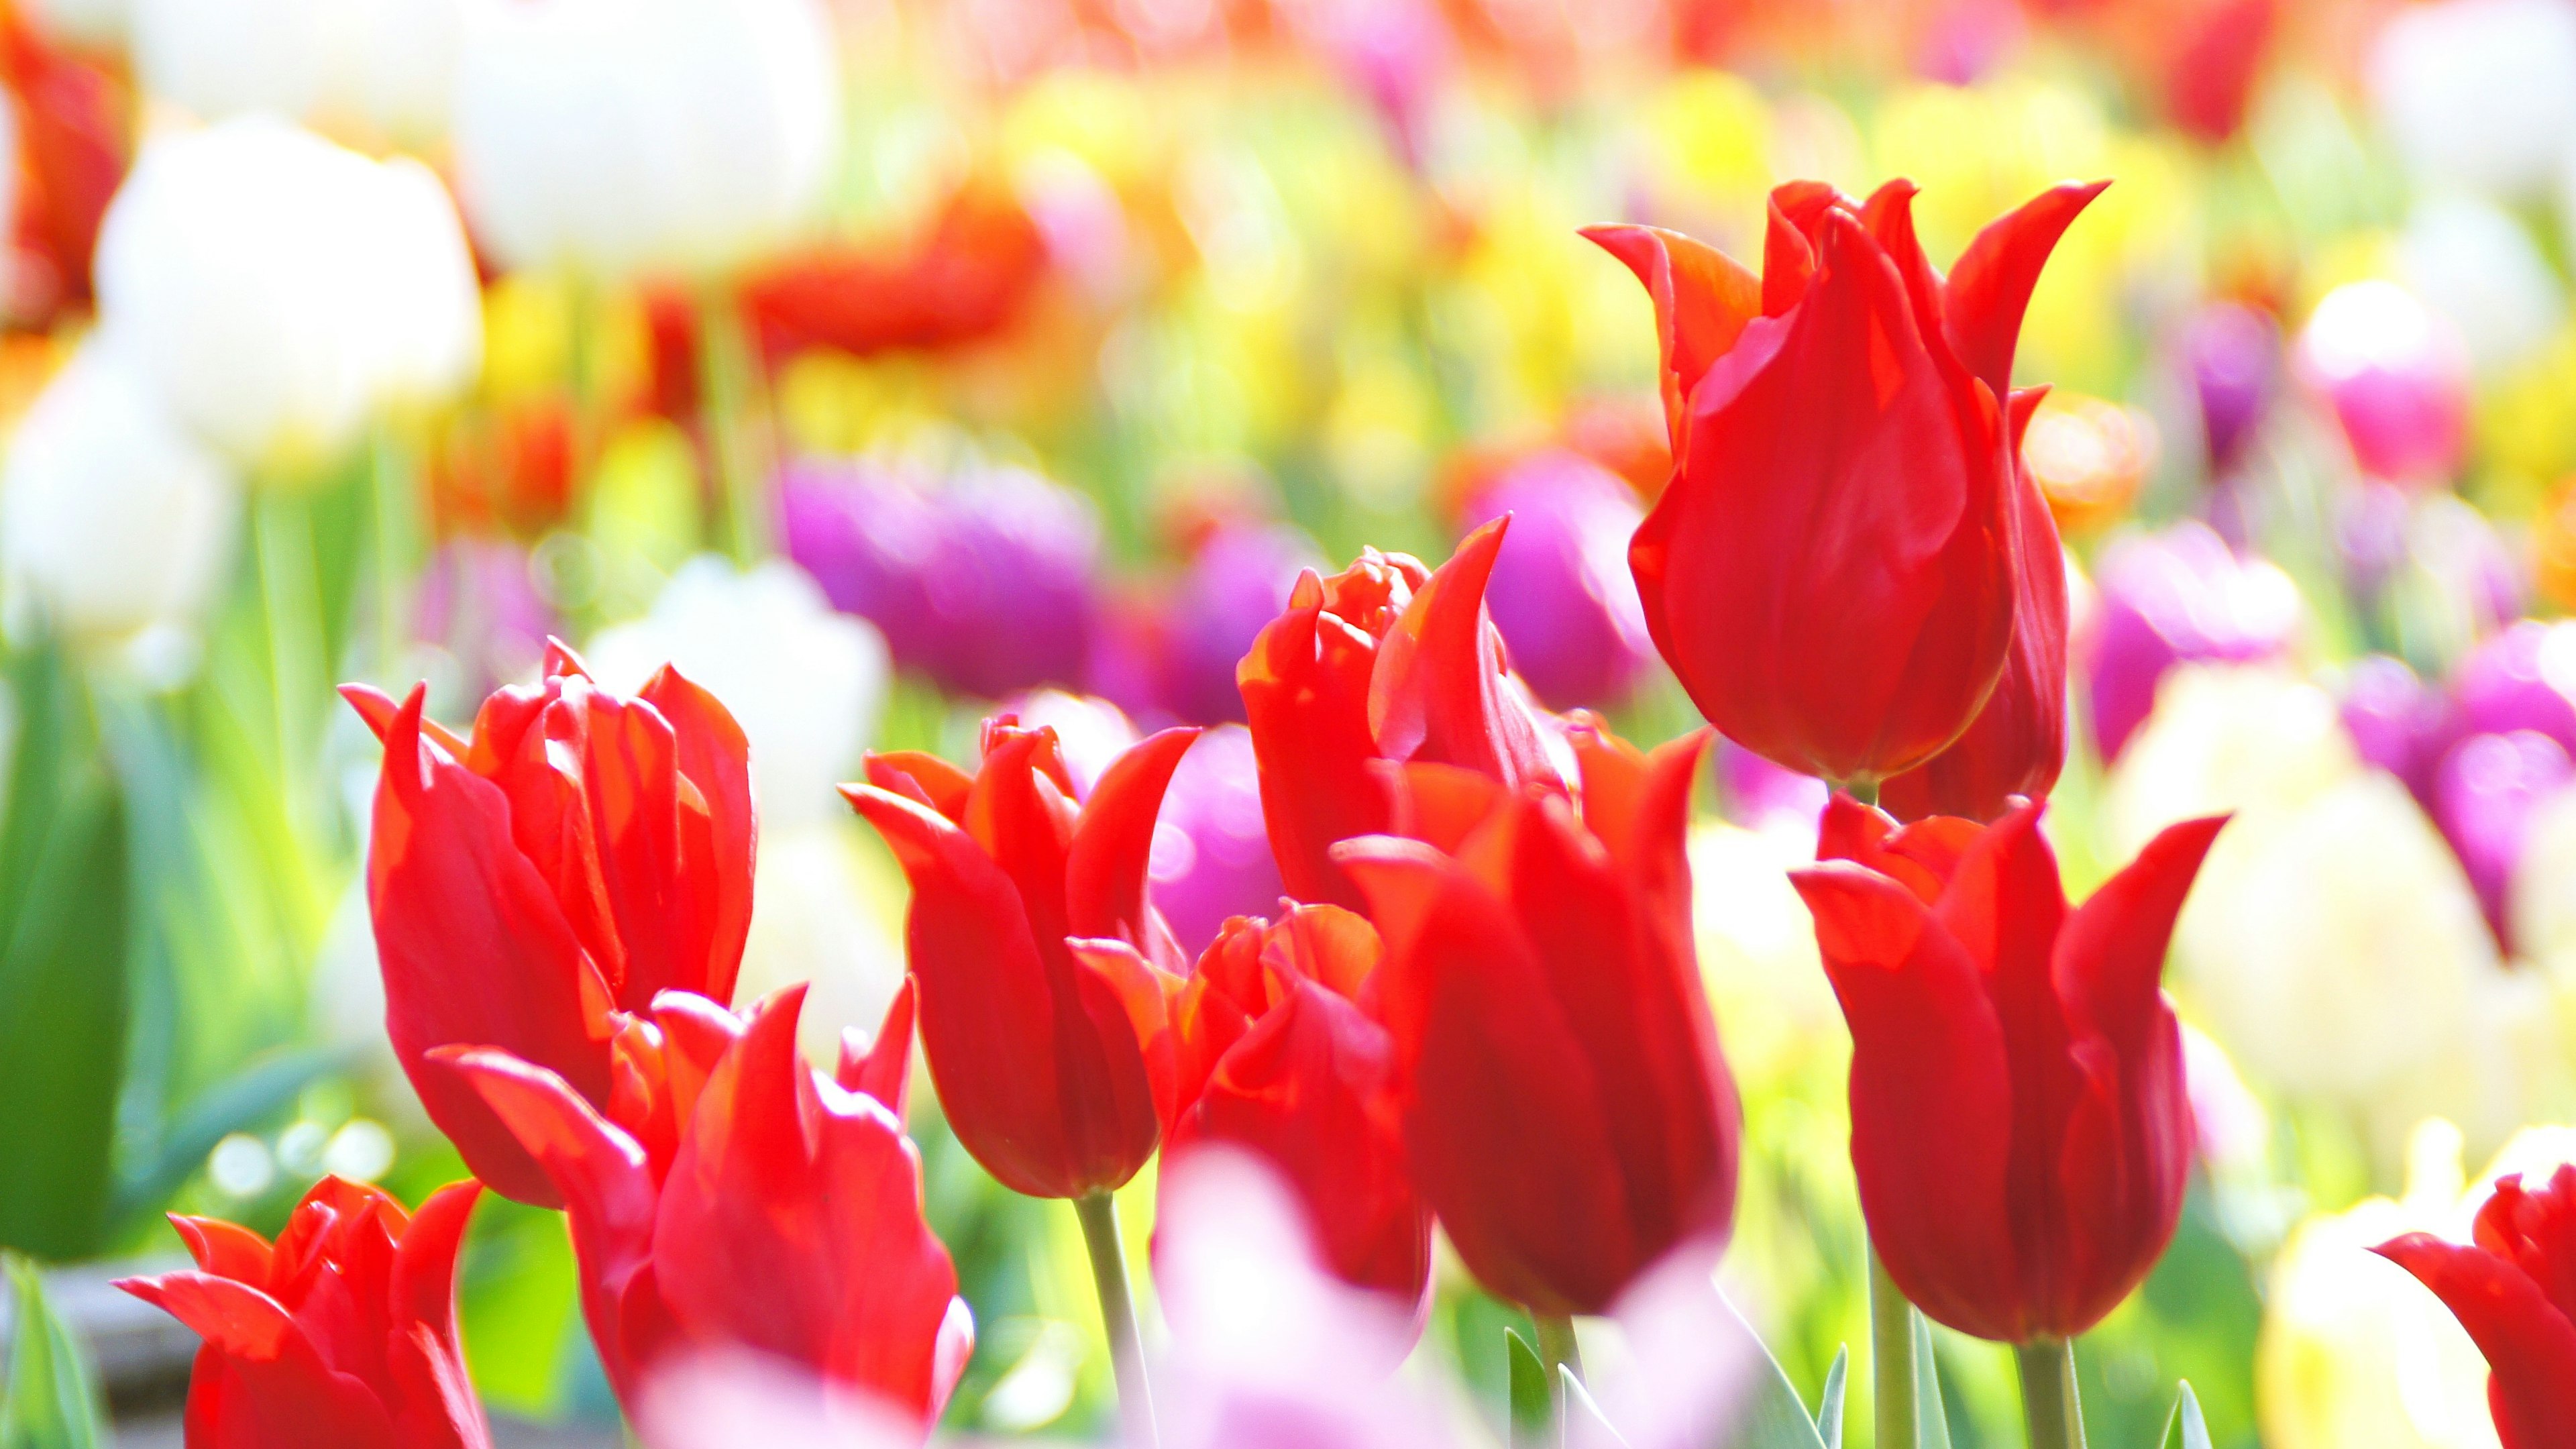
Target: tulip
[2397,376]
[2234,354]
[343,1332]
[730,1198]
[807,684]
[1384,662]
[2173,598]
[2397,721]
[1561,592]
[221,58]
[1212,856]
[1564,1103]
[2524,678]
[964,278]
[114,520]
[1832,571]
[2514,1290]
[622,137]
[278,289]
[2213,70]
[2017,744]
[1237,580]
[74,148]
[585,852]
[1038,1054]
[2477,95]
[2485,800]
[2475,264]
[1279,1059]
[2020,1125]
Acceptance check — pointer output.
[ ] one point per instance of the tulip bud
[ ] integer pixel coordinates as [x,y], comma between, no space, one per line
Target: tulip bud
[2020,1122]
[1564,1103]
[620,136]
[1833,570]
[584,852]
[342,1332]
[114,520]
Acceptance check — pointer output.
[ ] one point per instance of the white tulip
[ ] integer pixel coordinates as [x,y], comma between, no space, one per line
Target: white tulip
[2225,738]
[628,135]
[114,522]
[2542,897]
[279,288]
[2479,94]
[806,683]
[2472,262]
[219,58]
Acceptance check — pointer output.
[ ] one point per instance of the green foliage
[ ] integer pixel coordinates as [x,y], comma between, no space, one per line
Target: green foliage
[64,933]
[52,1397]
[1532,1415]
[2183,1428]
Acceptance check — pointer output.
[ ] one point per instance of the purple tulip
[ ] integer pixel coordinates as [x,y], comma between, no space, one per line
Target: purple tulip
[480,603]
[2234,355]
[2523,678]
[1211,850]
[2177,597]
[2398,722]
[2490,787]
[1561,591]
[1235,584]
[2397,377]
[984,584]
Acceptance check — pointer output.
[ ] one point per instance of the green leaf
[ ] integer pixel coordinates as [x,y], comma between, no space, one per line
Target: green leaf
[1580,1420]
[1931,1424]
[1533,1409]
[63,967]
[53,1400]
[1829,1413]
[1769,1413]
[240,1102]
[2183,1427]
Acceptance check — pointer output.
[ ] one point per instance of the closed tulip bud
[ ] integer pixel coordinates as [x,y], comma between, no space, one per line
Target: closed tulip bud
[621,137]
[114,520]
[1039,1054]
[1386,661]
[582,853]
[1279,1059]
[342,1332]
[2514,1290]
[1834,567]
[2020,1124]
[1565,1106]
[730,1198]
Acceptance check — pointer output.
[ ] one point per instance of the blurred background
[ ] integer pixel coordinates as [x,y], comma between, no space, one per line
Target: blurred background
[877,361]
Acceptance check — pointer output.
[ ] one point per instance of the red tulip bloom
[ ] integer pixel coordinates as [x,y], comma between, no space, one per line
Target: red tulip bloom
[731,1197]
[582,854]
[1383,662]
[1037,1053]
[342,1333]
[2019,1125]
[2515,1292]
[1831,571]
[1275,1055]
[1565,1106]
[2017,744]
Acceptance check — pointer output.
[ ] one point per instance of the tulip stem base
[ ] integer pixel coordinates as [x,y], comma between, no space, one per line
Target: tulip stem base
[1556,1345]
[2048,1397]
[1099,1215]
[1893,1390]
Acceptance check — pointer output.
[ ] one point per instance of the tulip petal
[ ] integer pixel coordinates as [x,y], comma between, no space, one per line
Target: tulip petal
[1931,1102]
[2111,954]
[435,1403]
[2530,1346]
[714,756]
[1438,693]
[1990,287]
[1306,686]
[1105,869]
[275,1388]
[924,777]
[1702,297]
[883,1069]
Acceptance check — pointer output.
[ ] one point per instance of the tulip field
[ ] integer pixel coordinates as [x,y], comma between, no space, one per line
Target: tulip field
[1231,724]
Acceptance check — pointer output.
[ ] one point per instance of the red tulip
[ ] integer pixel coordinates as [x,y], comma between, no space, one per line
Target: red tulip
[1037,1052]
[1831,570]
[2515,1292]
[732,1198]
[584,853]
[2019,1124]
[2017,744]
[1565,1107]
[342,1333]
[1383,662]
[1276,1056]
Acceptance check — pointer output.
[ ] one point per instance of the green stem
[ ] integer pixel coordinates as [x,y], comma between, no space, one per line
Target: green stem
[290,601]
[1556,1345]
[1894,1392]
[1099,1215]
[397,528]
[1865,791]
[2048,1398]
[725,382]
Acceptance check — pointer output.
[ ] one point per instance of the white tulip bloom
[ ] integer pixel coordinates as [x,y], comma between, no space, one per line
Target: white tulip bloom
[114,521]
[622,136]
[2479,94]
[2474,263]
[806,683]
[279,289]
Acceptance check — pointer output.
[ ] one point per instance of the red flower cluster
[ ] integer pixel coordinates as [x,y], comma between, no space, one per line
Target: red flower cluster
[2514,1290]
